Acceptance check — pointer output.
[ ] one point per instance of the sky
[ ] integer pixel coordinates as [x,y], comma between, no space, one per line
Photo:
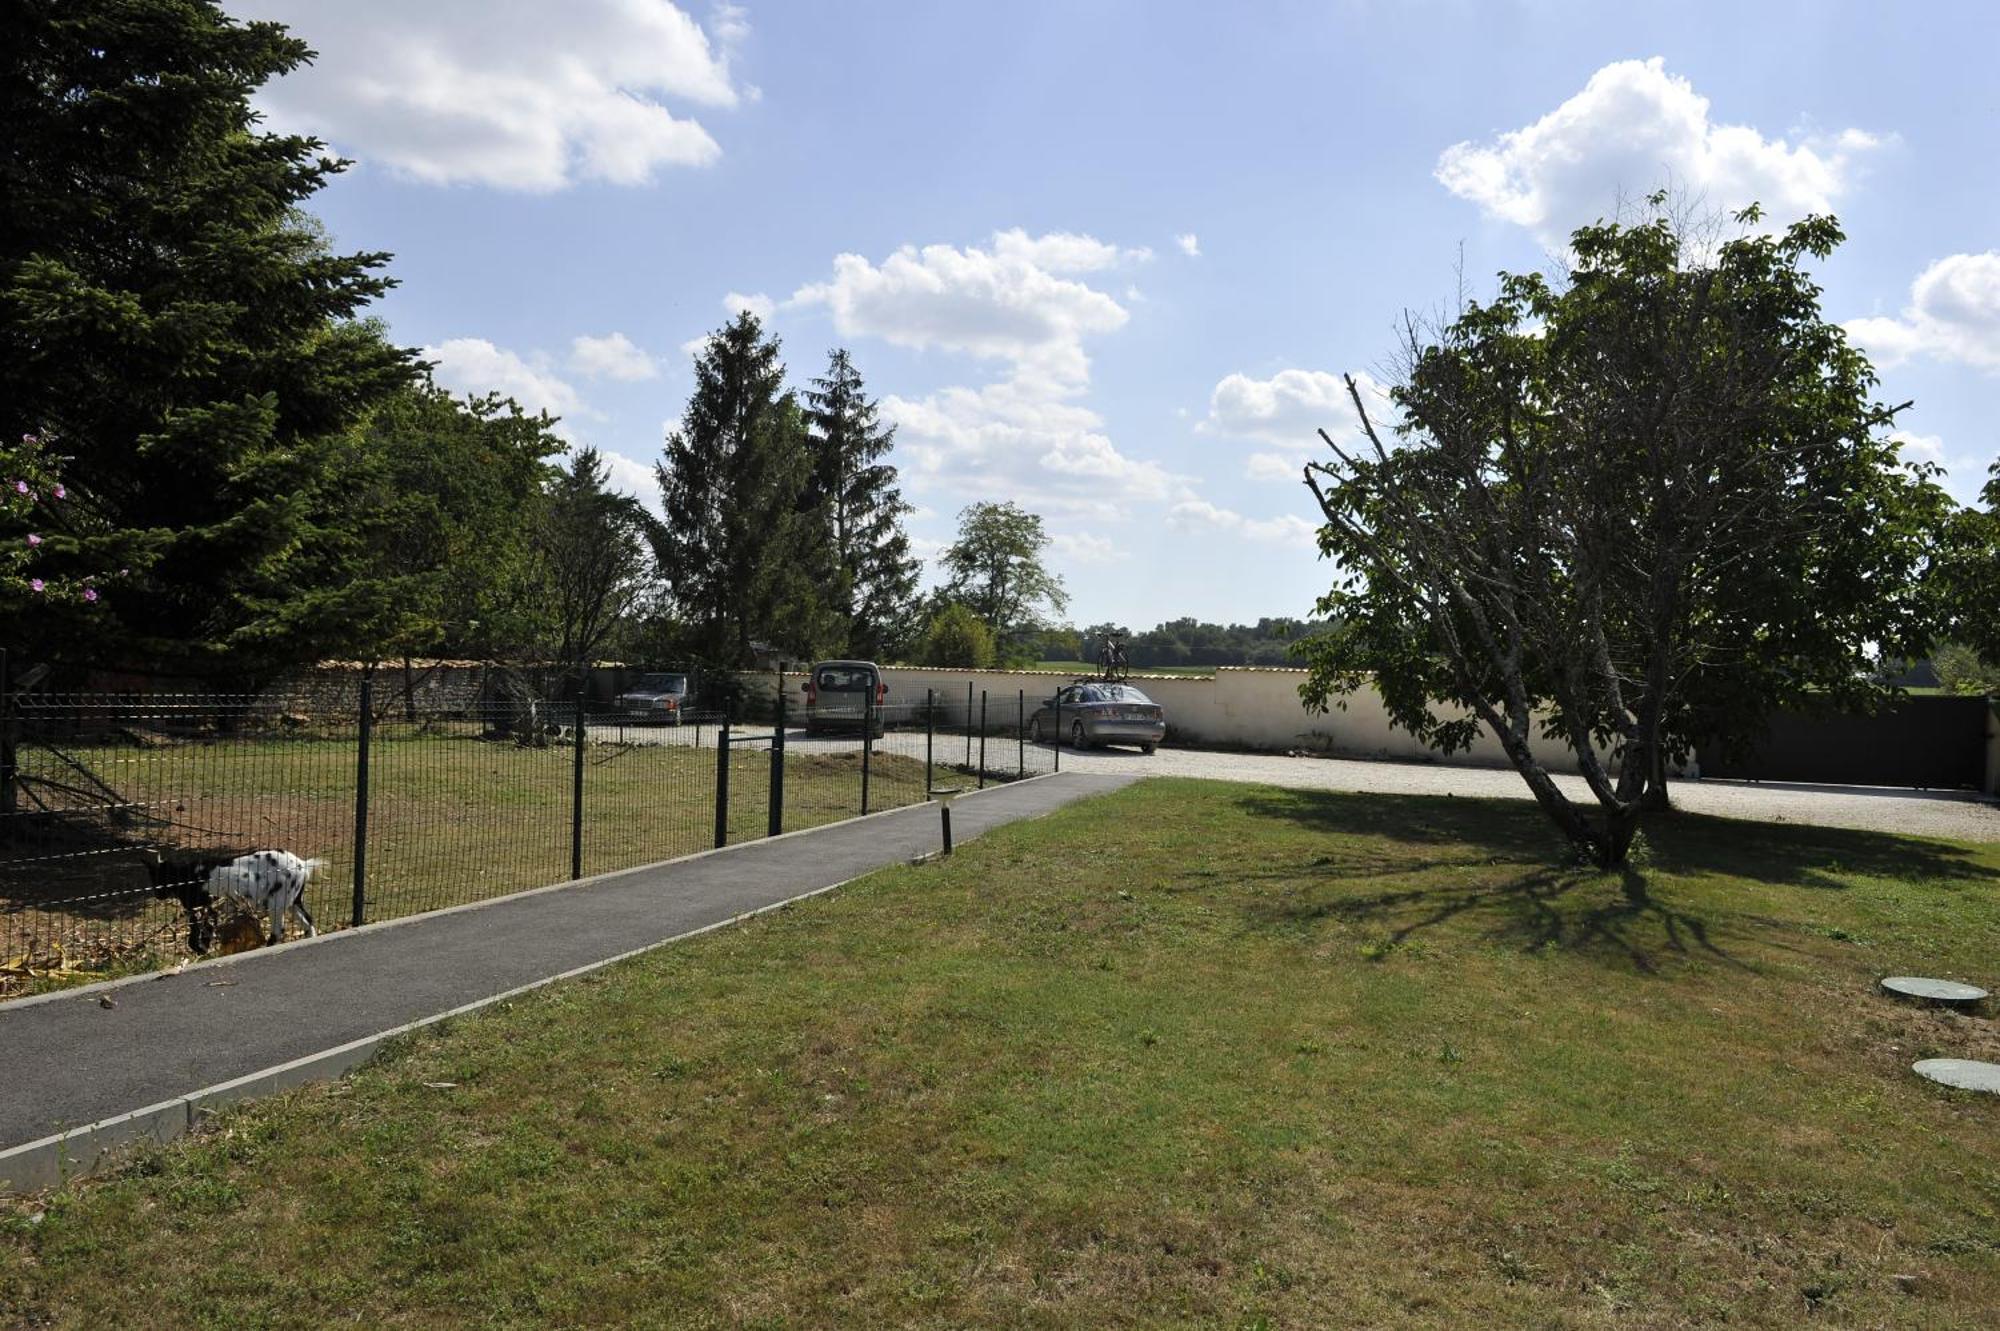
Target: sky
[1110,260]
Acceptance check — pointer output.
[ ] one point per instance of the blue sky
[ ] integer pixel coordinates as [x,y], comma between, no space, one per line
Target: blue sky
[1108,260]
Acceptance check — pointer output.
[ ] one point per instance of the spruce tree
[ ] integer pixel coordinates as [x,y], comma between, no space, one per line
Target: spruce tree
[872,582]
[741,557]
[175,330]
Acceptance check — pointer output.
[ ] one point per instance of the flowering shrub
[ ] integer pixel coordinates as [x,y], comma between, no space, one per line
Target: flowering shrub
[30,525]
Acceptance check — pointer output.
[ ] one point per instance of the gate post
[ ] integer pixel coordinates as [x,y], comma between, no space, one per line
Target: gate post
[360,910]
[1021,733]
[930,735]
[867,741]
[982,739]
[776,822]
[576,784]
[722,783]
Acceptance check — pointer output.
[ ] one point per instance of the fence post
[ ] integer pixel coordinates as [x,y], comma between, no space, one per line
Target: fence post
[982,739]
[722,783]
[867,741]
[776,823]
[1058,744]
[9,761]
[576,786]
[930,736]
[360,911]
[1021,733]
[968,723]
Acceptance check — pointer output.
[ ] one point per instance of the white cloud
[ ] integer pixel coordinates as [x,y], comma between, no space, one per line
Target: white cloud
[1086,548]
[634,478]
[475,365]
[1919,447]
[1019,302]
[516,95]
[1287,410]
[1198,515]
[613,356]
[1632,129]
[1007,303]
[1007,439]
[756,302]
[1953,314]
[1190,244]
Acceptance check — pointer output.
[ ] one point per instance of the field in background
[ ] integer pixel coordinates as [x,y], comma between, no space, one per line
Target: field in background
[1086,668]
[1189,1055]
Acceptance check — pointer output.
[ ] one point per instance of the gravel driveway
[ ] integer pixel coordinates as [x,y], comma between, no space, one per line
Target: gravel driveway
[1962,817]
[1959,816]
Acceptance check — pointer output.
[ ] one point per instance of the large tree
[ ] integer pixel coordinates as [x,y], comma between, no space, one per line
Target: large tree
[588,548]
[173,327]
[1635,507]
[741,555]
[872,581]
[452,498]
[995,569]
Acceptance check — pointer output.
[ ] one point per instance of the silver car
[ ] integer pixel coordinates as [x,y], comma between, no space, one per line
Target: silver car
[1100,714]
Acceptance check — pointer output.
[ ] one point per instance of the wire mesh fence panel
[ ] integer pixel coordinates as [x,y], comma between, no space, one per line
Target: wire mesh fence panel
[649,789]
[118,805]
[467,804]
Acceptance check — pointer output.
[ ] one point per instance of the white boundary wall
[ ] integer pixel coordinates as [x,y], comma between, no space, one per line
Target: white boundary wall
[1247,707]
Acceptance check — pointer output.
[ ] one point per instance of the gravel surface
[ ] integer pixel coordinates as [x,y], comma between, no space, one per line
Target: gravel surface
[1958,816]
[1961,817]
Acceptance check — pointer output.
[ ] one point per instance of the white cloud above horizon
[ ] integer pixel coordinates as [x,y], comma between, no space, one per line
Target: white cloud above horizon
[476,366]
[1199,515]
[1018,301]
[1189,243]
[1286,411]
[1634,128]
[513,95]
[613,356]
[1953,315]
[759,304]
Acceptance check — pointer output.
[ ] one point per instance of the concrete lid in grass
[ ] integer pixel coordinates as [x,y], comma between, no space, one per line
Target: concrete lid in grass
[1949,992]
[1964,1073]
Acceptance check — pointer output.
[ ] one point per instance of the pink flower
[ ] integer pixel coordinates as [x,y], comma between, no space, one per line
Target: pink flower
[90,593]
[34,584]
[21,487]
[33,540]
[61,493]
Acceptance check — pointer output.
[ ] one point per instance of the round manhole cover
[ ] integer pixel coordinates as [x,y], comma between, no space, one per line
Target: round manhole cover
[1963,1073]
[1933,991]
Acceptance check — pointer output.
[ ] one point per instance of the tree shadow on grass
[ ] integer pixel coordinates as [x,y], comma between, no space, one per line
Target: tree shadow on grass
[1528,895]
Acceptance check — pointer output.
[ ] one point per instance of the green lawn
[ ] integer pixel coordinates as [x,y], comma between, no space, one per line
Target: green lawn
[1188,1055]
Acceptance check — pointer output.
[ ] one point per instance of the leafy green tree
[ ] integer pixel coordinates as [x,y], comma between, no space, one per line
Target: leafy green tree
[184,334]
[1639,507]
[743,557]
[957,638]
[590,559]
[453,493]
[1961,669]
[995,569]
[871,580]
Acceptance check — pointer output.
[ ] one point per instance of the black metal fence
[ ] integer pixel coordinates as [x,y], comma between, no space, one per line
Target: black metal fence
[110,803]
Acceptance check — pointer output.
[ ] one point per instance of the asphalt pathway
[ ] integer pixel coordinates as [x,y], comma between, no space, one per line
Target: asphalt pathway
[79,1057]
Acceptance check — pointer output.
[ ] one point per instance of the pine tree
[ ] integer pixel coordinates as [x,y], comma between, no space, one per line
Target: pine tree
[873,580]
[742,558]
[175,330]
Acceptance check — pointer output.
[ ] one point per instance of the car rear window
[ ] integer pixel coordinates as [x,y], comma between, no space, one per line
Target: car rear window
[839,678]
[1123,693]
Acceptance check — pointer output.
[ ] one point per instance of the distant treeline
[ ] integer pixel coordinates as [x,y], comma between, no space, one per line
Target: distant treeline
[1186,642]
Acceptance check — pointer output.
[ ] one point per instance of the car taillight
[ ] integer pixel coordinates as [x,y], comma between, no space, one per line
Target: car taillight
[812,695]
[881,694]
